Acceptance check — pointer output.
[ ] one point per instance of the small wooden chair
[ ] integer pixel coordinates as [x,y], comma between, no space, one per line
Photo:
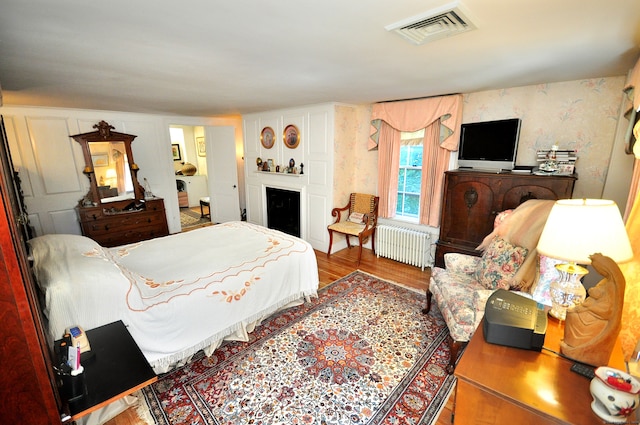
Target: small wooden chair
[205,202]
[360,219]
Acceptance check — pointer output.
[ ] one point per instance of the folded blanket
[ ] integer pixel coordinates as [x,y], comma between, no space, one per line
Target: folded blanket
[523,227]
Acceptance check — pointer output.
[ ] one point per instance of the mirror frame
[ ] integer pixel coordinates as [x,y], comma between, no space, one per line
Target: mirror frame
[104,134]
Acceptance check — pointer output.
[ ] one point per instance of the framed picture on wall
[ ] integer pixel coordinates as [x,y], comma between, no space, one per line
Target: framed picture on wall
[267,137]
[201,147]
[100,159]
[175,150]
[291,136]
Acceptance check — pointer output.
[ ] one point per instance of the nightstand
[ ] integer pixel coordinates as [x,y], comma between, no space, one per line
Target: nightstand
[115,368]
[506,385]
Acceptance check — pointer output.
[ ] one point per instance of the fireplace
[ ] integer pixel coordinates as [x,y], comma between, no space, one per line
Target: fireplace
[283,210]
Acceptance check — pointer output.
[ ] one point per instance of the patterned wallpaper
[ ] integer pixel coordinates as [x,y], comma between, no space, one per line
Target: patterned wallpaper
[580,115]
[355,168]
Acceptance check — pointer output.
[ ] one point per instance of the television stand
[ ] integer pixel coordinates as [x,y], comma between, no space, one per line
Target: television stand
[486,170]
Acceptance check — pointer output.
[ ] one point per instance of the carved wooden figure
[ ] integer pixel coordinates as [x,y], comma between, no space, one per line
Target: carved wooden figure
[591,328]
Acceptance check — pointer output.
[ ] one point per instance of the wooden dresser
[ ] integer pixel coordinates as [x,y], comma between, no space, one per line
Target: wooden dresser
[472,199]
[112,226]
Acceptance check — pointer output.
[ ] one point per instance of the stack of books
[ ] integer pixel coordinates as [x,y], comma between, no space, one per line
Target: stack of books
[556,162]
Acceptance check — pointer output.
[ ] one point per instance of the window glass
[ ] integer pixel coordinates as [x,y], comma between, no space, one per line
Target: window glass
[410,175]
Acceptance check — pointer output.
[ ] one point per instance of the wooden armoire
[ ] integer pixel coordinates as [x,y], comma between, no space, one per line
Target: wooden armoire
[28,391]
[472,199]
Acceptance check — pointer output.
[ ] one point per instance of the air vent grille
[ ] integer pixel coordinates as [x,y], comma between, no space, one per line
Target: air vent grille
[433,26]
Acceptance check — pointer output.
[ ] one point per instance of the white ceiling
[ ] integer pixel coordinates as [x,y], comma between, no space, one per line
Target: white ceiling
[213,57]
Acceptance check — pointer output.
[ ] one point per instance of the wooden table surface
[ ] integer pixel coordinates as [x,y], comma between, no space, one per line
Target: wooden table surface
[498,384]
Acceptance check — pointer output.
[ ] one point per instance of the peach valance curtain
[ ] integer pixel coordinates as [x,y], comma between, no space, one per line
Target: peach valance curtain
[440,117]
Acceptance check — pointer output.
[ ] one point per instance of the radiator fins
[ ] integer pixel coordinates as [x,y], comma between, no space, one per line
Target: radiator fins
[405,245]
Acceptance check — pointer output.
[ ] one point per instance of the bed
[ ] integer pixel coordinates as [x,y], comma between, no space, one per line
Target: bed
[177,294]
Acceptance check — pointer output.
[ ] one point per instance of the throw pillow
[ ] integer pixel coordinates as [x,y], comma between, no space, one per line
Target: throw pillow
[500,217]
[548,273]
[499,264]
[356,217]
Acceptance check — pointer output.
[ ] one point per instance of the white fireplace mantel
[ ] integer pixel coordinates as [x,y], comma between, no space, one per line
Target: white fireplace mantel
[315,151]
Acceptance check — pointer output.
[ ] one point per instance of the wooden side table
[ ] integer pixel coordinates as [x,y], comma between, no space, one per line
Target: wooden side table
[115,369]
[505,385]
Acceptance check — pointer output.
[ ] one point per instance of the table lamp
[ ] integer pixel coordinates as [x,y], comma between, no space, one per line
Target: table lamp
[575,229]
[587,231]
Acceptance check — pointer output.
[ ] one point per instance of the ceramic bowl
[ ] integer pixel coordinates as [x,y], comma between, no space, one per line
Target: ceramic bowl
[615,394]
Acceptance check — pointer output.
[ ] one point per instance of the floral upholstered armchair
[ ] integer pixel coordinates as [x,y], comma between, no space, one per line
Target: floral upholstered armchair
[509,261]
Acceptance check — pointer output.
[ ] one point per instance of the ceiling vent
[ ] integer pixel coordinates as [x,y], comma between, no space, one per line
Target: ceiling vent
[435,24]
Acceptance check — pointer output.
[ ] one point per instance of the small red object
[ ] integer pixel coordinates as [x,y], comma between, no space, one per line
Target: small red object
[619,383]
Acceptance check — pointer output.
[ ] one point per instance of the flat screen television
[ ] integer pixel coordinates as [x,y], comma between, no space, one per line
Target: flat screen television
[489,145]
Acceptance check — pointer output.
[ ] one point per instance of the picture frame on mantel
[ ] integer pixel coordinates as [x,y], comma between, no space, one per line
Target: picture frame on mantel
[175,151]
[291,136]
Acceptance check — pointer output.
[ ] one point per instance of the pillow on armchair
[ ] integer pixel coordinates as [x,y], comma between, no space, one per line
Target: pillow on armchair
[548,273]
[499,264]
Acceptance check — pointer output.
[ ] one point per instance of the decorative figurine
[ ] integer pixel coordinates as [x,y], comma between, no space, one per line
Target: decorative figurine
[301,168]
[292,163]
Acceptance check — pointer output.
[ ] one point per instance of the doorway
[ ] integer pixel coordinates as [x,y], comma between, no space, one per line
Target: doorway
[224,169]
[190,169]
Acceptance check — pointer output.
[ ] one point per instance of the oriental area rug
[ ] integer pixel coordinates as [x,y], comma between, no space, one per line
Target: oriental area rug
[189,218]
[360,353]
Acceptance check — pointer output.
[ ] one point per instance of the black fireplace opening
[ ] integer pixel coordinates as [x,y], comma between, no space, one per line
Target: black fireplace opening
[283,210]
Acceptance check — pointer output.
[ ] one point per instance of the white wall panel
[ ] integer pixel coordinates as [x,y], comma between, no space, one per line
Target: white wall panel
[316,126]
[318,173]
[65,222]
[318,234]
[319,139]
[55,157]
[254,203]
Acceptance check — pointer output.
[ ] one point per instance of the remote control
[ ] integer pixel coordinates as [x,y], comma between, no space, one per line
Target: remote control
[584,370]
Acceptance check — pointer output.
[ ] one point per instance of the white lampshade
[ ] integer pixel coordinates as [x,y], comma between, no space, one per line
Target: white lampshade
[111,173]
[578,228]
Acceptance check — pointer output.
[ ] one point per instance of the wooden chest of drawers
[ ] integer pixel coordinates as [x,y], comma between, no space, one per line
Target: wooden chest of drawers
[472,199]
[112,227]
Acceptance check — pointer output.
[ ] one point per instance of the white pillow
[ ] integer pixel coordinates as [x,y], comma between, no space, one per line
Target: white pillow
[356,217]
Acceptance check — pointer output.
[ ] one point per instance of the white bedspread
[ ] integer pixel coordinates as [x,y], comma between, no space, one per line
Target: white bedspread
[177,294]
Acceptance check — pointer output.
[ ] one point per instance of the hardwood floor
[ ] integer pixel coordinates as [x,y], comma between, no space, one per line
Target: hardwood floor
[330,269]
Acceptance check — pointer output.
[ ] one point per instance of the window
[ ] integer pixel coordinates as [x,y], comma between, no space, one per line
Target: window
[410,175]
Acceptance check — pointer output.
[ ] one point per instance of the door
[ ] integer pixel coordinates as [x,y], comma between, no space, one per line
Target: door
[223,174]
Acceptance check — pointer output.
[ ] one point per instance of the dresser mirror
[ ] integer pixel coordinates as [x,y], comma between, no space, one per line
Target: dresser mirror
[110,167]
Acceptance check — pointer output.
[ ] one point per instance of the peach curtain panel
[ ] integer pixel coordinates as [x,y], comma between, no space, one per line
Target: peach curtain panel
[630,331]
[388,155]
[440,117]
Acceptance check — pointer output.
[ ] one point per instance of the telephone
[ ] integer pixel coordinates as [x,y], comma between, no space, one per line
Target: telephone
[78,336]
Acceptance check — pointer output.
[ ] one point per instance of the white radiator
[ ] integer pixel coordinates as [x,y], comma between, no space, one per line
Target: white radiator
[402,244]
